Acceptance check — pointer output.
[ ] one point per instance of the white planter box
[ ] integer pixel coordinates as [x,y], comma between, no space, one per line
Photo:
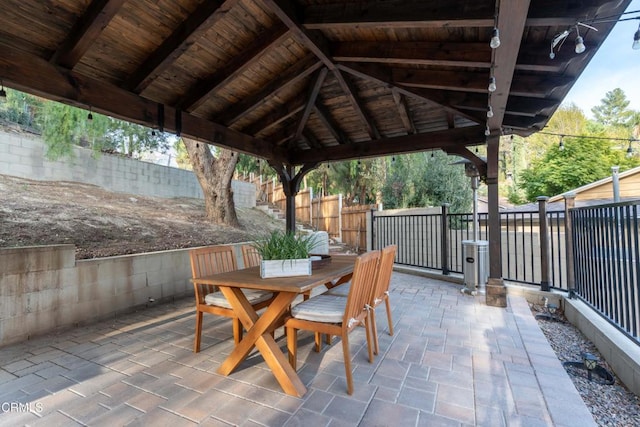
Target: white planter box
[285,268]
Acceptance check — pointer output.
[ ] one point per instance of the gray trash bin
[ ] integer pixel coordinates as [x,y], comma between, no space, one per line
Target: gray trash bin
[475,265]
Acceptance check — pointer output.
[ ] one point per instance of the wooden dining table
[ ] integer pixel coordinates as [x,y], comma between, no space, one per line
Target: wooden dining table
[259,327]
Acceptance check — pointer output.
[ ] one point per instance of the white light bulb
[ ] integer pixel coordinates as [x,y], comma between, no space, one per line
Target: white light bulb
[495,39]
[490,112]
[580,45]
[492,84]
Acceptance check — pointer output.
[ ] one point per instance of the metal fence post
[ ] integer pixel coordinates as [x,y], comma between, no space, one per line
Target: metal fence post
[569,203]
[545,251]
[444,239]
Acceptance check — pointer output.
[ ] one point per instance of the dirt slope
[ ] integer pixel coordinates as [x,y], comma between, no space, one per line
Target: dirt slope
[101,223]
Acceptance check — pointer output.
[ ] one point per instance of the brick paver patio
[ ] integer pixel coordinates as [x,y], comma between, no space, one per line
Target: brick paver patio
[452,361]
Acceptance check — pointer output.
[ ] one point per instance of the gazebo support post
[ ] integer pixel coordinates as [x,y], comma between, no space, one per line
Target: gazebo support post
[496,291]
[290,186]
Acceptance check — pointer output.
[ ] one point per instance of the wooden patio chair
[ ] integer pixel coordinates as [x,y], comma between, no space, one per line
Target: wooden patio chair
[212,260]
[250,256]
[380,292]
[335,315]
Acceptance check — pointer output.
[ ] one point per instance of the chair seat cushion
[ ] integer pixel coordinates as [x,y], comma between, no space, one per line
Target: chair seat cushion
[322,308]
[254,297]
[341,290]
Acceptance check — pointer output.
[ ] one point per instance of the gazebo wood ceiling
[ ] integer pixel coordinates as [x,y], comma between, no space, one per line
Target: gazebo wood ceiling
[304,81]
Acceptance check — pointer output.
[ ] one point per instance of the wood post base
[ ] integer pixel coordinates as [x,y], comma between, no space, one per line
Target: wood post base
[496,293]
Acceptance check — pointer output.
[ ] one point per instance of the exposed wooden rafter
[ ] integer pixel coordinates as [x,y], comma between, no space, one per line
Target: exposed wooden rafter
[471,135]
[316,43]
[299,71]
[403,111]
[399,14]
[85,31]
[311,101]
[325,117]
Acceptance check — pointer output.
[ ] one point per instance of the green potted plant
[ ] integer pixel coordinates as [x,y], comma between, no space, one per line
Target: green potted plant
[284,254]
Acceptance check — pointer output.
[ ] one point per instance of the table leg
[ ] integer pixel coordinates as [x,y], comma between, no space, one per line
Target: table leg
[258,335]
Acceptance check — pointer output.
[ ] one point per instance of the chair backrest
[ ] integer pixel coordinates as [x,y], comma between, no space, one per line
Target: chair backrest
[385,268]
[250,256]
[364,273]
[212,260]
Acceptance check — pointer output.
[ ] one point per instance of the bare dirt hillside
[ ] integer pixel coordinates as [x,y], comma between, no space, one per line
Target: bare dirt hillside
[102,223]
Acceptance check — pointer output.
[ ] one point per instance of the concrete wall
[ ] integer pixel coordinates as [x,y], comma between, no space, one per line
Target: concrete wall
[44,288]
[22,155]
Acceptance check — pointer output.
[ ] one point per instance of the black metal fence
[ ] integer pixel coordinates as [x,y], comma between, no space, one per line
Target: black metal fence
[606,253]
[422,240]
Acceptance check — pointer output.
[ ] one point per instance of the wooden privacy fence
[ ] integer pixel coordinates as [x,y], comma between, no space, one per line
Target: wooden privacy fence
[346,224]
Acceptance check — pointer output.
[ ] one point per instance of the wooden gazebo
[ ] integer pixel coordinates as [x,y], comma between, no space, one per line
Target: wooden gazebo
[301,82]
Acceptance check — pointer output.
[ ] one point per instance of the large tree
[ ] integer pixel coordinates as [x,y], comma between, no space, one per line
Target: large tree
[214,174]
[613,109]
[581,161]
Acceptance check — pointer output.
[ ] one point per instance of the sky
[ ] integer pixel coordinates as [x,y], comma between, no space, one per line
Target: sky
[614,65]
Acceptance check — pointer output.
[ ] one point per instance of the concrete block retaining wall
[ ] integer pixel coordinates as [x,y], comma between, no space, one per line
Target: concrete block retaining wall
[23,155]
[44,288]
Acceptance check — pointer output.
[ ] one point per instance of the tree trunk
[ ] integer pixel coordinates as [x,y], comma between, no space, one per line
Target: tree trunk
[214,175]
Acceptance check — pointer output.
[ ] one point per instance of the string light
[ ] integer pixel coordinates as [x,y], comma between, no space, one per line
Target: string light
[561,144]
[487,131]
[489,112]
[492,84]
[560,38]
[90,116]
[495,38]
[629,149]
[3,93]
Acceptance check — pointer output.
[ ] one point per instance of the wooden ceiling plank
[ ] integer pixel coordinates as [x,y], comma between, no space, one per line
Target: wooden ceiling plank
[85,31]
[403,111]
[198,94]
[512,17]
[275,117]
[399,14]
[297,72]
[472,135]
[325,117]
[311,101]
[183,37]
[24,72]
[447,54]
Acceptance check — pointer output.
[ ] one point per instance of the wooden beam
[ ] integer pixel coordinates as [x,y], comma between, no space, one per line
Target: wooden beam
[182,38]
[198,94]
[512,17]
[522,84]
[25,72]
[464,152]
[403,111]
[551,13]
[472,135]
[444,54]
[399,14]
[85,31]
[383,76]
[311,101]
[286,11]
[516,105]
[351,92]
[297,72]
